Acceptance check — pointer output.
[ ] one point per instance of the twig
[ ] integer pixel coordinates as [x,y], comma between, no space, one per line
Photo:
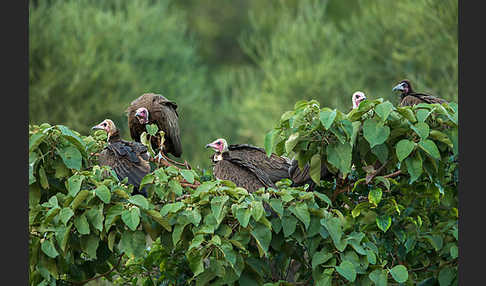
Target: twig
[182,197]
[99,276]
[192,186]
[339,191]
[185,164]
[372,175]
[394,174]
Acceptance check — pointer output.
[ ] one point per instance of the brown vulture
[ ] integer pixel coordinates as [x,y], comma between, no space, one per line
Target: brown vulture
[127,159]
[247,166]
[152,108]
[300,177]
[410,97]
[357,97]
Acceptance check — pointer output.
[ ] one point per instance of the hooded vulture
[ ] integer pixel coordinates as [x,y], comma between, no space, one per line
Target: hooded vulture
[357,97]
[127,159]
[247,166]
[410,97]
[300,177]
[152,108]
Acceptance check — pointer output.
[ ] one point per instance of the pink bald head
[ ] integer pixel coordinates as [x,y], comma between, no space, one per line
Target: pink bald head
[358,96]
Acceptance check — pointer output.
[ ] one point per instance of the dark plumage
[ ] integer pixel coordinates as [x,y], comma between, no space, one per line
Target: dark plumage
[127,159]
[247,166]
[410,97]
[300,177]
[152,108]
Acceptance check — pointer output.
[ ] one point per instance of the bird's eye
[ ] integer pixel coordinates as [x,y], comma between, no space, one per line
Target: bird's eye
[218,143]
[104,124]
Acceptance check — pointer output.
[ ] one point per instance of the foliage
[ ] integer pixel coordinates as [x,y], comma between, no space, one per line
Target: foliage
[234,74]
[363,227]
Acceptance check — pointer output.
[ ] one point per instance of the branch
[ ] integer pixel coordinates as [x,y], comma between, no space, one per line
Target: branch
[394,174]
[101,275]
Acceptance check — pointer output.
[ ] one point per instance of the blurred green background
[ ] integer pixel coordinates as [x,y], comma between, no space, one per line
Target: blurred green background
[233,67]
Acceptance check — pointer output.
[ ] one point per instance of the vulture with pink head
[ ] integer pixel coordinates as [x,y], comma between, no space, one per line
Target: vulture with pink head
[152,108]
[247,166]
[409,97]
[357,98]
[127,159]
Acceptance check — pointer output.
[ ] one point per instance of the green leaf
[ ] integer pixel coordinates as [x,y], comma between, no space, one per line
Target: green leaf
[257,210]
[291,142]
[422,114]
[48,248]
[436,241]
[188,175]
[243,216]
[301,211]
[370,256]
[171,208]
[89,244]
[315,168]
[132,243]
[148,179]
[374,196]
[43,178]
[111,215]
[71,157]
[62,236]
[430,148]
[262,235]
[270,141]
[414,167]
[320,257]
[454,252]
[327,117]
[375,132]
[323,198]
[74,184]
[381,152]
[334,227]
[379,277]
[446,276]
[152,129]
[65,214]
[422,129]
[80,197]
[103,193]
[81,224]
[399,273]
[155,215]
[277,206]
[403,148]
[175,187]
[95,217]
[346,269]
[140,201]
[131,217]
[383,222]
[407,113]
[196,264]
[289,224]
[384,109]
[35,140]
[340,155]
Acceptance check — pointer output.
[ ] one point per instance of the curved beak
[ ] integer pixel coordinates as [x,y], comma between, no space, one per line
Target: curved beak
[208,145]
[398,87]
[97,127]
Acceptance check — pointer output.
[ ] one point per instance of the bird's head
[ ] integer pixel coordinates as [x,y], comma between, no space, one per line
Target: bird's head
[142,115]
[219,145]
[358,96]
[106,125]
[405,87]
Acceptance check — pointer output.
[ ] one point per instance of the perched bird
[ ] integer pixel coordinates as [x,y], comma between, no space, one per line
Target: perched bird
[152,108]
[127,159]
[300,177]
[409,97]
[247,166]
[357,97]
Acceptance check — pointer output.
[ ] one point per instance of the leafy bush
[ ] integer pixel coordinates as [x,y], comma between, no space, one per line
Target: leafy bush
[389,215]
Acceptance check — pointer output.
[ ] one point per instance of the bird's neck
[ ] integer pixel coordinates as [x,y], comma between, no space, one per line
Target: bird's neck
[115,136]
